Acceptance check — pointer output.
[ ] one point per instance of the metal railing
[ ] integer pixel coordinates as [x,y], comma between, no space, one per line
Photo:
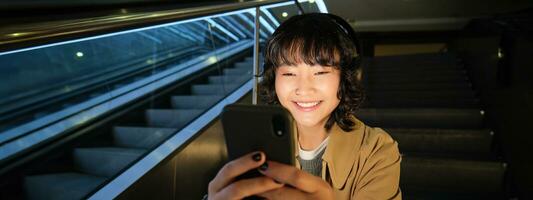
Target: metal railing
[23,37]
[26,35]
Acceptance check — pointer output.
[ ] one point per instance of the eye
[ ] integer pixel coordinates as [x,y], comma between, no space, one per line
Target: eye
[322,73]
[288,74]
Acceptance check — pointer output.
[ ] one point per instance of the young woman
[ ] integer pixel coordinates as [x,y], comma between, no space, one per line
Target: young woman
[310,69]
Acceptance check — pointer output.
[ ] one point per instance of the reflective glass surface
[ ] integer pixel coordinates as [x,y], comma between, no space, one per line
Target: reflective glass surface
[157,85]
[41,85]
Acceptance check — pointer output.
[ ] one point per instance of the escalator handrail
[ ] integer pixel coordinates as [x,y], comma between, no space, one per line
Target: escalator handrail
[23,35]
[93,109]
[22,129]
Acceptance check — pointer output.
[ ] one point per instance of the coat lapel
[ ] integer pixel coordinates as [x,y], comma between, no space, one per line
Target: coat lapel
[341,152]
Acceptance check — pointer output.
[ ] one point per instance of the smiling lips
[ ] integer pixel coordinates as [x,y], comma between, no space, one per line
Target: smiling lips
[307,106]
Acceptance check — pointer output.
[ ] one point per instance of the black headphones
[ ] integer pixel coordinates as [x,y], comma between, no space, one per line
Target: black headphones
[343,25]
[347,29]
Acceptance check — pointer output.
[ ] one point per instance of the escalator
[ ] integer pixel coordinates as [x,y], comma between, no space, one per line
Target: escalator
[426,102]
[112,117]
[122,103]
[95,164]
[94,153]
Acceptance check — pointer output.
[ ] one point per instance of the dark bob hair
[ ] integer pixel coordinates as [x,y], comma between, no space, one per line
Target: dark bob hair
[316,39]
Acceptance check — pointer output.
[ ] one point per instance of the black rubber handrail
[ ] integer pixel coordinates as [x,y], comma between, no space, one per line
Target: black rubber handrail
[20,35]
[51,96]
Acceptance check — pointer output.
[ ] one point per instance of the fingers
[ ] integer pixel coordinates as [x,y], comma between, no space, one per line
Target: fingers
[235,168]
[283,193]
[247,187]
[291,175]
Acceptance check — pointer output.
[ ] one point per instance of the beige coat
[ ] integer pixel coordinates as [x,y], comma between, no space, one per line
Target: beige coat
[361,164]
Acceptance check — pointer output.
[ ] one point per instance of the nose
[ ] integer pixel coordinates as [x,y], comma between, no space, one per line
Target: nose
[305,86]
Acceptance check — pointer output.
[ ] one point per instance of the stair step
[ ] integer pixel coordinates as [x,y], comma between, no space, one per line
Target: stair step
[67,105]
[421,103]
[140,137]
[408,64]
[414,58]
[443,141]
[246,64]
[424,94]
[422,118]
[422,69]
[61,186]
[196,101]
[438,195]
[421,56]
[417,80]
[40,115]
[210,89]
[462,176]
[117,86]
[410,67]
[238,71]
[251,59]
[105,161]
[94,95]
[227,79]
[171,118]
[416,74]
[138,78]
[418,86]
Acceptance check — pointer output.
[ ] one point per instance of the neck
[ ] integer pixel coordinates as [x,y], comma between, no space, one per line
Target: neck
[310,138]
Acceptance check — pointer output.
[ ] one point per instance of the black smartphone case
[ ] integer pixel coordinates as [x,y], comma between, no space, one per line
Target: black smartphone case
[264,128]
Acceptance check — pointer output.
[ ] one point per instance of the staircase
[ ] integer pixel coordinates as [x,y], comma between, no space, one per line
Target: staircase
[94,166]
[427,104]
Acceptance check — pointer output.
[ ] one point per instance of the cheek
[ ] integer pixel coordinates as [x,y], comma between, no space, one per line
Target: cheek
[283,90]
[331,86]
[279,90]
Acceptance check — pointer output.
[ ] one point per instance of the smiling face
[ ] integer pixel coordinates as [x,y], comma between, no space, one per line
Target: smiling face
[308,92]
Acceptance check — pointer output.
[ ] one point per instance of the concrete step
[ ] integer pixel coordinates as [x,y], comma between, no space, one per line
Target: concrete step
[247,64]
[421,174]
[416,74]
[418,86]
[423,94]
[210,89]
[418,80]
[140,137]
[422,118]
[238,71]
[410,67]
[443,141]
[421,103]
[171,118]
[414,59]
[228,80]
[61,186]
[105,161]
[195,101]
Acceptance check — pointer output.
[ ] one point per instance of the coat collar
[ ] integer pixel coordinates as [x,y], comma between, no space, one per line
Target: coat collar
[341,152]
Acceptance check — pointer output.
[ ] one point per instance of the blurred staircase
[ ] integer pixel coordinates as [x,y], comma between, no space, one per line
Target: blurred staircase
[96,165]
[427,104]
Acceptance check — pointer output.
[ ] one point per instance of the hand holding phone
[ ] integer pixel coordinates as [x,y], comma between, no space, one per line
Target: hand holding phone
[249,128]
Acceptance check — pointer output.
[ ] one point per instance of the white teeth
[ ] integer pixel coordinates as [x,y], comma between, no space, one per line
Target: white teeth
[307,104]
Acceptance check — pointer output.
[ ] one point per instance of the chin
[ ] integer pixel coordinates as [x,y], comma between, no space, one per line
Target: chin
[302,121]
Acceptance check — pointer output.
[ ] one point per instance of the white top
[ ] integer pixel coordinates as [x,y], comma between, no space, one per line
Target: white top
[310,155]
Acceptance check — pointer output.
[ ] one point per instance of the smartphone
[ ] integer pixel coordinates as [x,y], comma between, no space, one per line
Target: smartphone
[265,128]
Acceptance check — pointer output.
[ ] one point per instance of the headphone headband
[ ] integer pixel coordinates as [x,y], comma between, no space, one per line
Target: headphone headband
[346,28]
